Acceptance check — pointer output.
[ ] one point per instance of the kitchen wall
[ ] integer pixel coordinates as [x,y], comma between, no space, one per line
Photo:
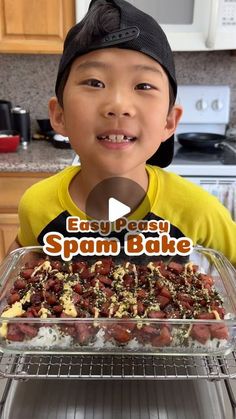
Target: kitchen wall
[29,80]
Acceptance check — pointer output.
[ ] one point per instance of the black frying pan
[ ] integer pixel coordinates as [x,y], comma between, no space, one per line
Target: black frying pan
[202,141]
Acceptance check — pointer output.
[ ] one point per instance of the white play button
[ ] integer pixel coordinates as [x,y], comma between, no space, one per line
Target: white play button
[114,198]
[116,209]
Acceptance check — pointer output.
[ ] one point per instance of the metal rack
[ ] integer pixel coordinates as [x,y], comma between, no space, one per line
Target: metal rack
[117,367]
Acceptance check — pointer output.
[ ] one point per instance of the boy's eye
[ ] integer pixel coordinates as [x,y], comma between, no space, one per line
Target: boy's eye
[144,86]
[94,83]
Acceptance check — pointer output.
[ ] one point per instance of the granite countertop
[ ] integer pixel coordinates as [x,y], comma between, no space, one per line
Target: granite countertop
[40,156]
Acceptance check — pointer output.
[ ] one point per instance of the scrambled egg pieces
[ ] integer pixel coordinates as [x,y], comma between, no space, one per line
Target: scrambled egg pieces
[68,306]
[15,311]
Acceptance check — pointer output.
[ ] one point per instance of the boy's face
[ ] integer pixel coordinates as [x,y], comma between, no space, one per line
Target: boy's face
[115,110]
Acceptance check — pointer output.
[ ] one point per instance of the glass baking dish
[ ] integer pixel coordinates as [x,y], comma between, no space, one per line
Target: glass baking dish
[115,335]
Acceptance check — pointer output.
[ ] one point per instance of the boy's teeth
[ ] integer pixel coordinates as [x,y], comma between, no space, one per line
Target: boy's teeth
[115,138]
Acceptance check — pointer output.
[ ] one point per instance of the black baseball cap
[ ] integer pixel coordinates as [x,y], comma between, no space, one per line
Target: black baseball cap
[139,32]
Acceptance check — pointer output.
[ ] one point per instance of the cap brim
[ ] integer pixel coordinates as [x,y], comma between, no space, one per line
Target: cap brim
[164,155]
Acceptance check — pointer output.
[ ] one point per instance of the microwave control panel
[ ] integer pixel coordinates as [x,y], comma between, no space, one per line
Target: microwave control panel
[228,13]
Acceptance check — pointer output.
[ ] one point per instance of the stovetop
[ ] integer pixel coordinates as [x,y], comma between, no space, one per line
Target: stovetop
[207,162]
[217,156]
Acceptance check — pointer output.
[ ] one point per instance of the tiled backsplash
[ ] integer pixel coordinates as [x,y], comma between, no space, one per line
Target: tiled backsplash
[29,80]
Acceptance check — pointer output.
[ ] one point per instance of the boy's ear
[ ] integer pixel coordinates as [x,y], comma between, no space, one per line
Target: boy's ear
[56,115]
[172,121]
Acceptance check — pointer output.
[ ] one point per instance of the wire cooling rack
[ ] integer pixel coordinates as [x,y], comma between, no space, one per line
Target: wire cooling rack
[117,367]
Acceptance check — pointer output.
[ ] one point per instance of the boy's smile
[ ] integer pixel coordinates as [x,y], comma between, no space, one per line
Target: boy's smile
[115,111]
[116,138]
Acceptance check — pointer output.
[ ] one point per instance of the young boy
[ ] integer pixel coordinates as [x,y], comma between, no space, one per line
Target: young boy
[115,100]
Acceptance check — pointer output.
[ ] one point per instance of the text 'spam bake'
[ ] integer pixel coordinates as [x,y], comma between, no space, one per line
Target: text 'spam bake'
[135,243]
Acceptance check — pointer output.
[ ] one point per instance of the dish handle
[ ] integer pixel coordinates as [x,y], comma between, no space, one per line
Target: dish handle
[7,263]
[231,268]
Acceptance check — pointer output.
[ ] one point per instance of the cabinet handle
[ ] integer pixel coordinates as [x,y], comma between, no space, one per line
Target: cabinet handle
[214,15]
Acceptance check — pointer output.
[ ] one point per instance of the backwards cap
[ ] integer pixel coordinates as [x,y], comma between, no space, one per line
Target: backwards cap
[139,32]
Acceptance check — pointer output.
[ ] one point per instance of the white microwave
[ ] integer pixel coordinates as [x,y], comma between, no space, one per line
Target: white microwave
[190,25]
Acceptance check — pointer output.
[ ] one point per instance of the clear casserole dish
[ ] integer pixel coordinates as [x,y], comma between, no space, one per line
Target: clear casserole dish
[119,305]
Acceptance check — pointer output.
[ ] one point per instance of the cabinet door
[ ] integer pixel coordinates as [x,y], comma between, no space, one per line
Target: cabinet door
[8,231]
[35,26]
[12,187]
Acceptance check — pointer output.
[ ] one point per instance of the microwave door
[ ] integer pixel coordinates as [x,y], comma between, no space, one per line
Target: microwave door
[81,8]
[185,22]
[177,17]
[189,25]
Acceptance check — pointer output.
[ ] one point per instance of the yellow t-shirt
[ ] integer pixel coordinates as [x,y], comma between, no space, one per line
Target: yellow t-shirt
[191,211]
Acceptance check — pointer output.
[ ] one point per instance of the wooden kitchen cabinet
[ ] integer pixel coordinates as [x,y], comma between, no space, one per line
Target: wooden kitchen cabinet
[35,26]
[12,187]
[8,229]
